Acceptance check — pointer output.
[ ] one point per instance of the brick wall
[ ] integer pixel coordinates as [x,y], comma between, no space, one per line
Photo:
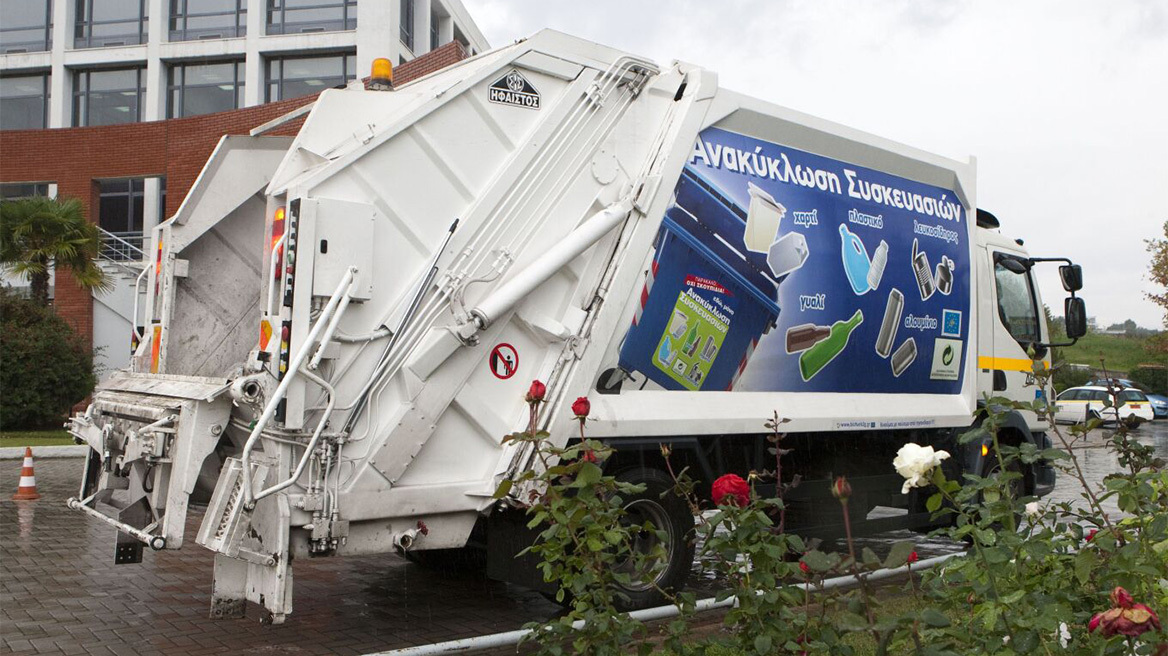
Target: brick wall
[75,158]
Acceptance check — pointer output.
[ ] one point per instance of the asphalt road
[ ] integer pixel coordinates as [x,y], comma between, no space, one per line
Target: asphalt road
[61,594]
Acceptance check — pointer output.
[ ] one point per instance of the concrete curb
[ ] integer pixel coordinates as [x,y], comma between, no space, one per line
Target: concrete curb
[67,451]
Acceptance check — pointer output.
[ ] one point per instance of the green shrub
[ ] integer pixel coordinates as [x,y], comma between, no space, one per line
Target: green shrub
[1066,377]
[45,367]
[1155,379]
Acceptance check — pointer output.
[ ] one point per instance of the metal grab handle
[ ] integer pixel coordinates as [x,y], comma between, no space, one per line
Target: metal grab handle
[134,316]
[293,368]
[277,248]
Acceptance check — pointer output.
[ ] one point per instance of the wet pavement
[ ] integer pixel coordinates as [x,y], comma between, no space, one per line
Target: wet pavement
[60,592]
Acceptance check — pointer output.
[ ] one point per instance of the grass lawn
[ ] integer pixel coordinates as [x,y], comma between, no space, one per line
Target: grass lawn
[1121,354]
[52,437]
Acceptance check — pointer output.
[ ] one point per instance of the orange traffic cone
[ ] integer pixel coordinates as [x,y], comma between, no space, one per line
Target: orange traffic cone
[27,490]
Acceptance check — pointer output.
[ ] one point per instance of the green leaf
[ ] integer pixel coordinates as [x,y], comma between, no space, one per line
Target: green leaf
[934,618]
[934,502]
[762,644]
[817,561]
[1084,564]
[898,555]
[504,488]
[870,558]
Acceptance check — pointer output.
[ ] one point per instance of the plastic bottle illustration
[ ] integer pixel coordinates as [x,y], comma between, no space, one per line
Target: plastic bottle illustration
[665,353]
[817,357]
[879,261]
[856,262]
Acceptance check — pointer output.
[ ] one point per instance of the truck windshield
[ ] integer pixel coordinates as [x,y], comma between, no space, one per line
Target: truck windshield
[1016,304]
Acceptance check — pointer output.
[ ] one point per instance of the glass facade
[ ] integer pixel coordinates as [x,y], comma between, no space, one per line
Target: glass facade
[24,102]
[297,16]
[191,20]
[110,23]
[407,23]
[108,97]
[294,77]
[204,88]
[26,26]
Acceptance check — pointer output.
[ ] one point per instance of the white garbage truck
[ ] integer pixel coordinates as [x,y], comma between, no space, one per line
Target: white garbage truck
[338,328]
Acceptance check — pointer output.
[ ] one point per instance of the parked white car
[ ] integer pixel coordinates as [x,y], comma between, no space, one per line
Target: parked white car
[1079,404]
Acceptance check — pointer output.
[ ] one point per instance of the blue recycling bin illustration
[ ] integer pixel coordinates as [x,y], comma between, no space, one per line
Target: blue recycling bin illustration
[710,297]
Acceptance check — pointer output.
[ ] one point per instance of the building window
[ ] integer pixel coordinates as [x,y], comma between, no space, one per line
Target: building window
[19,190]
[191,20]
[121,209]
[407,23]
[196,89]
[110,23]
[435,21]
[296,16]
[295,77]
[108,97]
[24,102]
[27,26]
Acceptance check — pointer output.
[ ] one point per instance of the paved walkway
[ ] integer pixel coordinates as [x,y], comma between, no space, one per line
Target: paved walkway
[60,592]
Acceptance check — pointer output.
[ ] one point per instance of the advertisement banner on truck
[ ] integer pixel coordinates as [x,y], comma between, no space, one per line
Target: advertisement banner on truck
[779,270]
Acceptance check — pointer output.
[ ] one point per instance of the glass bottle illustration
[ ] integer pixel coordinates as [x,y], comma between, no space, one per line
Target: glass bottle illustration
[691,341]
[814,359]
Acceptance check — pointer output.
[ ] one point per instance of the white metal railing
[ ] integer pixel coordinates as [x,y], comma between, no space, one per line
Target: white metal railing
[121,246]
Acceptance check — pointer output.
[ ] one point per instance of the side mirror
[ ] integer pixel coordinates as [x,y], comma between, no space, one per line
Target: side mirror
[1012,264]
[1075,313]
[1072,277]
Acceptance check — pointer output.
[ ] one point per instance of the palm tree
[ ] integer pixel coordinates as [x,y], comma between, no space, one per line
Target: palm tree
[39,234]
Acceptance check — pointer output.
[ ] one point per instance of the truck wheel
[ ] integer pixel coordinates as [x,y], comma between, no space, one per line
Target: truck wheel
[670,513]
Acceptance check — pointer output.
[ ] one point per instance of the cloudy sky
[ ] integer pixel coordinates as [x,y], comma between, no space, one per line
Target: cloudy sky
[1063,102]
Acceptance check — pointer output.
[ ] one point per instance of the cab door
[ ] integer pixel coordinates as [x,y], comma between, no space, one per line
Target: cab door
[1018,323]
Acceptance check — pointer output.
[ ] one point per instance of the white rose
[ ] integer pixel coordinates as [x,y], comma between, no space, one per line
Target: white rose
[915,463]
[1032,509]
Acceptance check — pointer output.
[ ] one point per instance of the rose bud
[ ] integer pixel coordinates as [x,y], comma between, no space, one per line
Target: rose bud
[913,557]
[730,489]
[803,566]
[581,408]
[536,392]
[840,489]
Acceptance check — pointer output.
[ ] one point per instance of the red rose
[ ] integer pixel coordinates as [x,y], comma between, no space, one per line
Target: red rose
[803,566]
[536,392]
[1091,535]
[581,408]
[840,489]
[731,489]
[912,558]
[1127,618]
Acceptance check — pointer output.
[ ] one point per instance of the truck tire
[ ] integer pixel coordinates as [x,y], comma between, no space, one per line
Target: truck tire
[672,514]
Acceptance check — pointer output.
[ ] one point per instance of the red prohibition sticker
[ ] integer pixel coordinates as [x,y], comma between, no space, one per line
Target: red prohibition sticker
[504,361]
